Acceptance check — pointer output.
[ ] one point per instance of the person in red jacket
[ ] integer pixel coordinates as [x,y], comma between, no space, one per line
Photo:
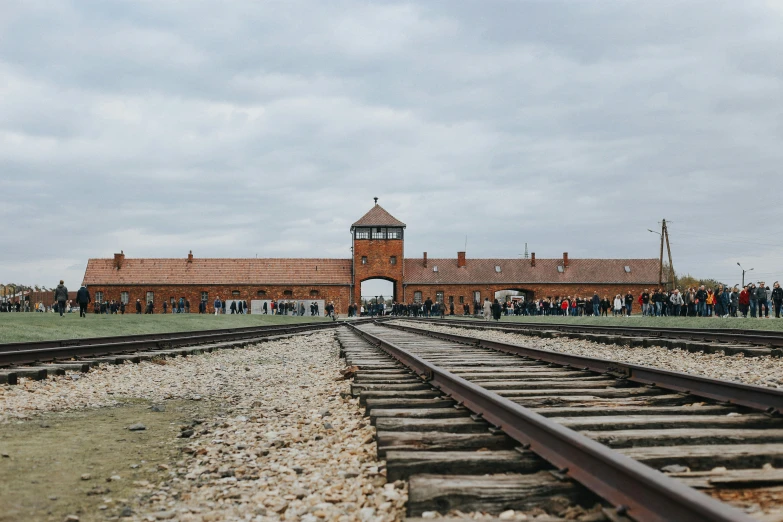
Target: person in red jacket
[744,302]
[564,306]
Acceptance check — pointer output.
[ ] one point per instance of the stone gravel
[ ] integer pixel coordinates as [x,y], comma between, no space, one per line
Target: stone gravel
[760,371]
[291,443]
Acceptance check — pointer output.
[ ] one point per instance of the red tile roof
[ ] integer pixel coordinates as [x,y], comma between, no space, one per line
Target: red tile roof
[378,217]
[219,271]
[520,271]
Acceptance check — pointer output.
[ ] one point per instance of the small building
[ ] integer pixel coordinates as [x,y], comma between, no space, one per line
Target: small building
[378,253]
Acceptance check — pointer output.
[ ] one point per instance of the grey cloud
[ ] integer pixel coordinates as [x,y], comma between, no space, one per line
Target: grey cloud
[267,127]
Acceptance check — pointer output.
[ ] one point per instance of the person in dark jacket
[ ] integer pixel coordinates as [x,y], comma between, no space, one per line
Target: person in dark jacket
[83,298]
[777,298]
[596,302]
[138,306]
[496,310]
[761,297]
[61,296]
[628,303]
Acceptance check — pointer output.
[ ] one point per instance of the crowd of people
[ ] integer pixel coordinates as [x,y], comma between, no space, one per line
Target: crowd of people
[750,301]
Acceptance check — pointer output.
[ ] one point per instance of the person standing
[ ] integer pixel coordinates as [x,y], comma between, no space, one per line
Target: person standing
[83,298]
[165,308]
[628,303]
[761,297]
[138,306]
[61,296]
[777,298]
[677,302]
[618,305]
[496,310]
[596,302]
[218,305]
[487,309]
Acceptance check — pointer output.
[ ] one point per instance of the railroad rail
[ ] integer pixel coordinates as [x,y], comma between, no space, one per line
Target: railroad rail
[606,425]
[749,342]
[37,359]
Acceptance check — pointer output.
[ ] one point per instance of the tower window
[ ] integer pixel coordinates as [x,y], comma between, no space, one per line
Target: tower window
[364,260]
[378,233]
[394,233]
[362,233]
[393,260]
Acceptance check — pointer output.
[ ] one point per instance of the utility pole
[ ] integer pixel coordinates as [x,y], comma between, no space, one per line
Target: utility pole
[669,250]
[660,263]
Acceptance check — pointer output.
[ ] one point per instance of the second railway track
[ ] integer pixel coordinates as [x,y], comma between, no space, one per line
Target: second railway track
[480,426]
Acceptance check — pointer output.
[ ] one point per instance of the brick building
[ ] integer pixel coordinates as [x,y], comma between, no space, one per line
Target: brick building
[378,253]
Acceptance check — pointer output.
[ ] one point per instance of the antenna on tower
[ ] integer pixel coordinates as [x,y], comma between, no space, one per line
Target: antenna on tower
[526,255]
[466,242]
[376,200]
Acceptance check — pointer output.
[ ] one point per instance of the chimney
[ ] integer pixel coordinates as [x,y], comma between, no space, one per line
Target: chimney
[460,259]
[565,259]
[190,257]
[425,259]
[119,259]
[532,259]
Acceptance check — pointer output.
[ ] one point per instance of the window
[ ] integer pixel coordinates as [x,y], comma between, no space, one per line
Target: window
[462,299]
[364,260]
[393,233]
[261,293]
[235,293]
[124,297]
[560,269]
[150,297]
[476,296]
[393,260]
[98,297]
[497,268]
[417,297]
[314,293]
[627,269]
[439,297]
[378,233]
[451,299]
[288,293]
[435,268]
[362,233]
[205,296]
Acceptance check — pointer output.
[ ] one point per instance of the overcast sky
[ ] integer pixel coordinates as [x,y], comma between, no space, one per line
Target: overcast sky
[238,129]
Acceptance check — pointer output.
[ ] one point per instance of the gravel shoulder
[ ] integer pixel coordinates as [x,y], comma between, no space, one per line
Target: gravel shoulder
[279,437]
[760,371]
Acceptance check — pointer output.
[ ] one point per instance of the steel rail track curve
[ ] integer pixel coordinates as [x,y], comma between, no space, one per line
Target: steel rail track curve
[765,338]
[635,489]
[45,351]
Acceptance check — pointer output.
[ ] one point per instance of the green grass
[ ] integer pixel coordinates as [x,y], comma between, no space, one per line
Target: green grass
[660,322]
[43,327]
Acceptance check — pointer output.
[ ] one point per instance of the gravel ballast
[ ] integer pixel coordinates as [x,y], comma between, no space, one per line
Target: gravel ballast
[760,371]
[288,443]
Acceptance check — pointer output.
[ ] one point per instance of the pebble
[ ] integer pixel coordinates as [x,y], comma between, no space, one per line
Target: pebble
[86,476]
[71,518]
[287,441]
[137,427]
[760,371]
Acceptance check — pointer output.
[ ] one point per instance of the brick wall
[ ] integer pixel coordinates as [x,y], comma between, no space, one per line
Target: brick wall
[532,291]
[378,253]
[340,294]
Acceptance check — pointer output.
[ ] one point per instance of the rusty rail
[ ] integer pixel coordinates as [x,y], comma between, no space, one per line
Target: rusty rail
[719,335]
[633,488]
[756,397]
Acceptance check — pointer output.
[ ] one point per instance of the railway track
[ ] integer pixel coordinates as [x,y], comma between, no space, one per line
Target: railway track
[36,360]
[752,343]
[475,425]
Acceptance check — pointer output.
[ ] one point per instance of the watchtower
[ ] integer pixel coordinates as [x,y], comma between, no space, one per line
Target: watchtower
[378,250]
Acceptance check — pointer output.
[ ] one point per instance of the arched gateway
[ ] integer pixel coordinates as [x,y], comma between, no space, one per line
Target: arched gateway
[378,251]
